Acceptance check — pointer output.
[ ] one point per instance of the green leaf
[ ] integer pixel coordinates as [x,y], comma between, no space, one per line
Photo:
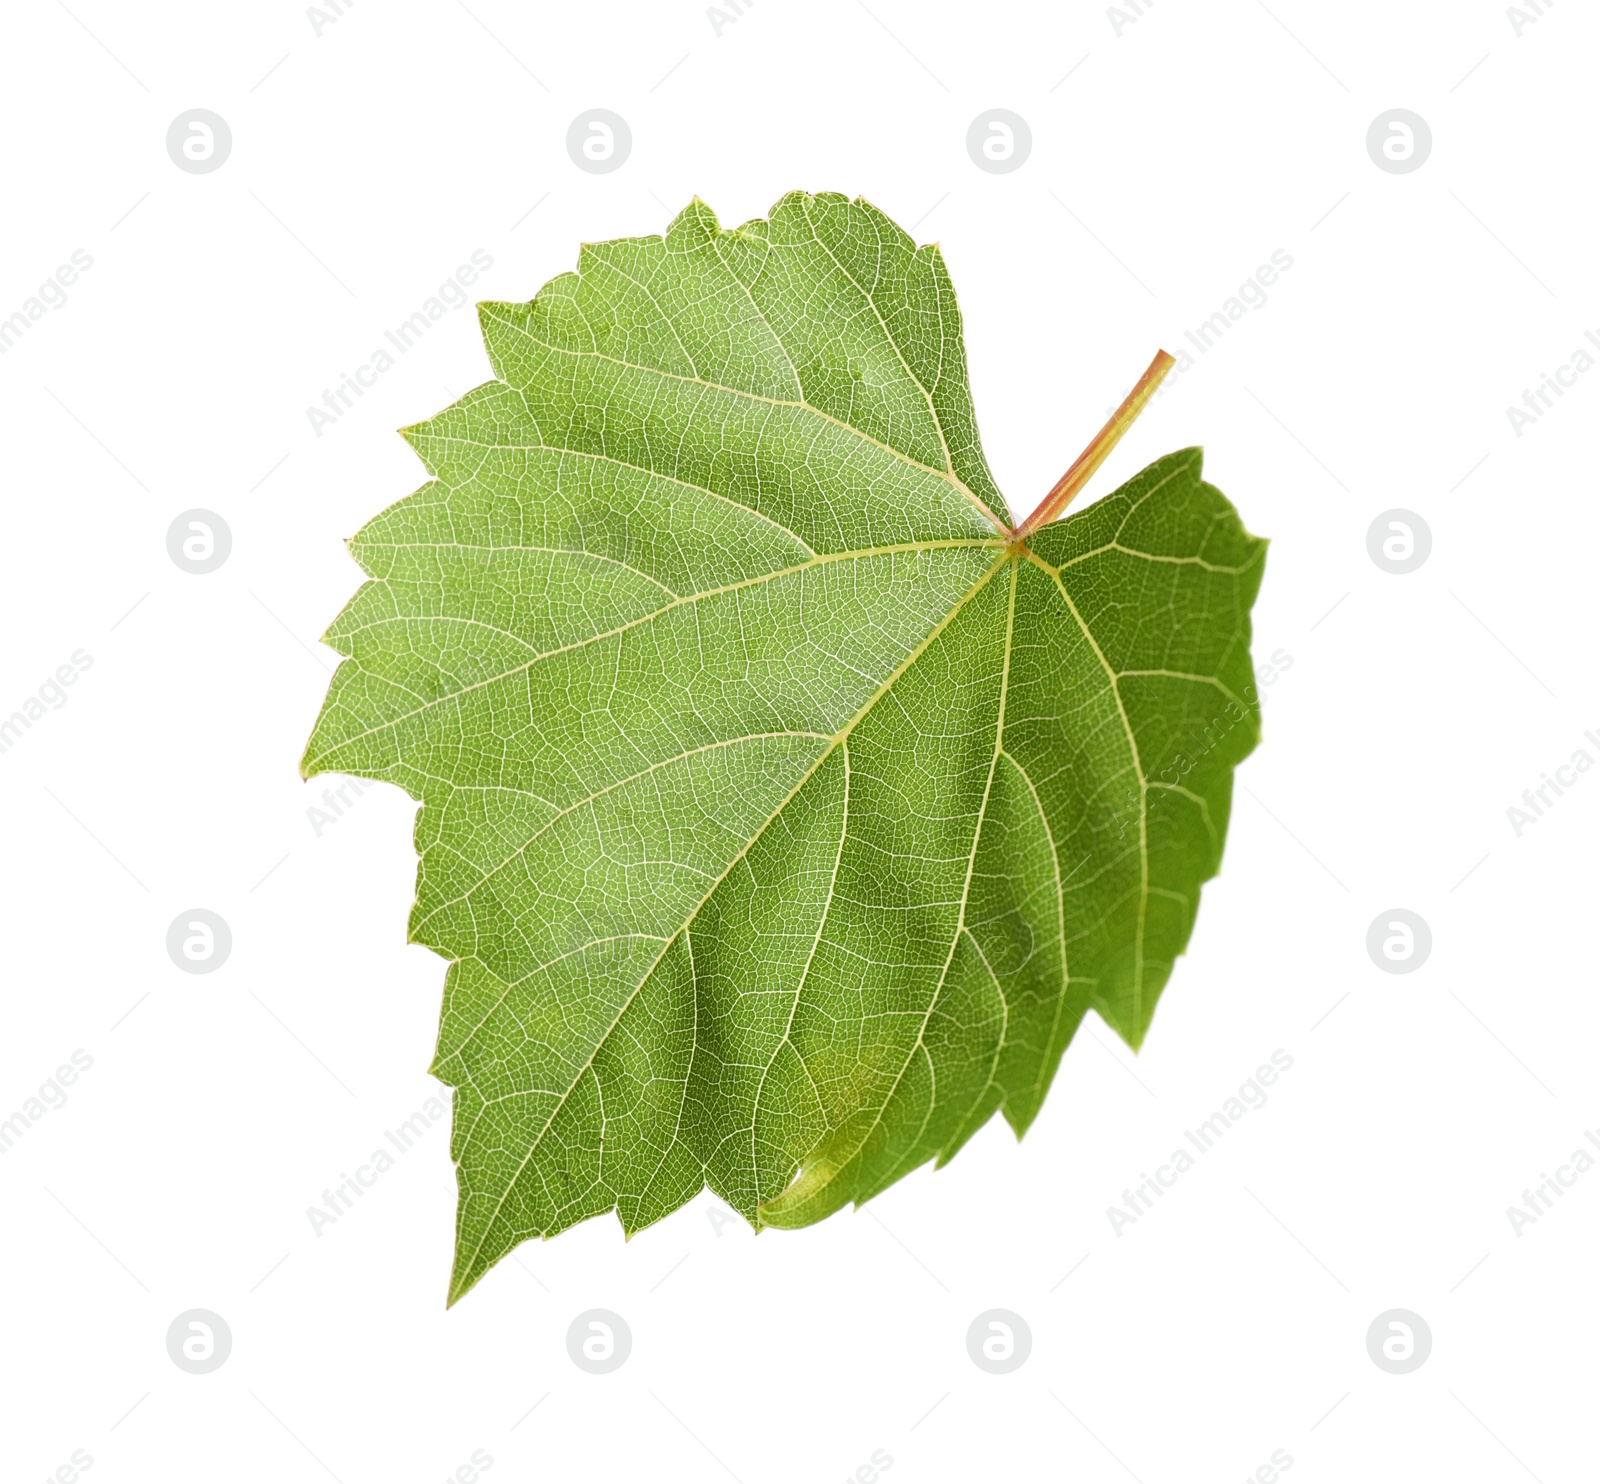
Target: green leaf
[782,815]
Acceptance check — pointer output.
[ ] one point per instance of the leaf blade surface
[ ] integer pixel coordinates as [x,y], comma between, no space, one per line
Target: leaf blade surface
[781,817]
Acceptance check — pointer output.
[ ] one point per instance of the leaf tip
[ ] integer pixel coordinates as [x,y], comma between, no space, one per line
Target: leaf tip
[462,1282]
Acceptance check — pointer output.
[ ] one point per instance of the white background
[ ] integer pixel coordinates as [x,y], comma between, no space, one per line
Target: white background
[368,162]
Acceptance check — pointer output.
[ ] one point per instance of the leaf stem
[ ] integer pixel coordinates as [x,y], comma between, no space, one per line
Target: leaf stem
[1099,448]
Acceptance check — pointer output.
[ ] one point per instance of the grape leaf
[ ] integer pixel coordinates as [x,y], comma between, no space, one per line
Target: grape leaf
[783,810]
